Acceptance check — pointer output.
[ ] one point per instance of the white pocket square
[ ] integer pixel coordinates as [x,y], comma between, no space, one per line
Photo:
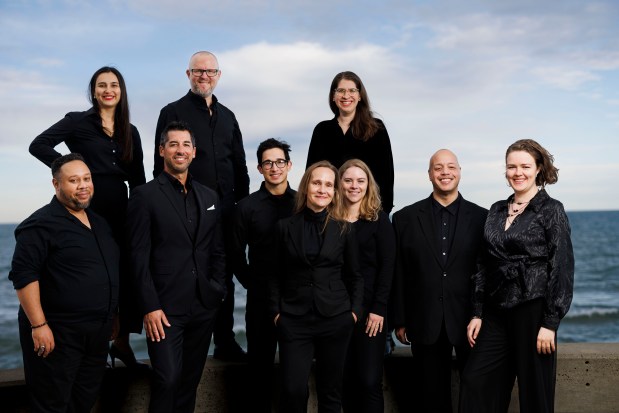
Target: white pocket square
[211,208]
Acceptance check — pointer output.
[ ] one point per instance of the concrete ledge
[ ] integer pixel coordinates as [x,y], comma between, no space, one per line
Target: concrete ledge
[587,381]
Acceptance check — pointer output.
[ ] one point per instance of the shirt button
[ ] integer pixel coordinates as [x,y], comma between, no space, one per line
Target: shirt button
[444,274]
[444,253]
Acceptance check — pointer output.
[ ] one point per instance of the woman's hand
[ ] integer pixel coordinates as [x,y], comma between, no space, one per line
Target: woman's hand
[374,325]
[472,330]
[276,318]
[354,316]
[545,341]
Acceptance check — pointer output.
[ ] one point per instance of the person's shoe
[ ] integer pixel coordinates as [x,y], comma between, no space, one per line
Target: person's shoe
[230,352]
[128,358]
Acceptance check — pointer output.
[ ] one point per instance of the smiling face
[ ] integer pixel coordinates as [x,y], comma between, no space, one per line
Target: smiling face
[346,103]
[177,152]
[203,85]
[354,184]
[444,173]
[74,188]
[276,175]
[321,189]
[107,90]
[520,172]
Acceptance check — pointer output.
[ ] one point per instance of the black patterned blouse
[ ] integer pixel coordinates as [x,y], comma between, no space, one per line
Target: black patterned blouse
[533,258]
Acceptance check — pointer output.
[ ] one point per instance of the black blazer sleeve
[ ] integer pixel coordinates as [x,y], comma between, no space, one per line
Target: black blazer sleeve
[385,242]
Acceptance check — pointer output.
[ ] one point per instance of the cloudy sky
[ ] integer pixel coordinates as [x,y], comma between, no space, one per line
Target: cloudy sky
[471,76]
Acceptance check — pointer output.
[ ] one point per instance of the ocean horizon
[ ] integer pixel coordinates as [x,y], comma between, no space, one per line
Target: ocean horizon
[593,316]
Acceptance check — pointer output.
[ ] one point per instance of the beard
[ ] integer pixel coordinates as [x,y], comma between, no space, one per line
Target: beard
[72,202]
[195,88]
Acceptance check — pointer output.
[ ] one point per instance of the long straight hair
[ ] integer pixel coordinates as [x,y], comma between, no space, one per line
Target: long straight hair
[122,124]
[363,125]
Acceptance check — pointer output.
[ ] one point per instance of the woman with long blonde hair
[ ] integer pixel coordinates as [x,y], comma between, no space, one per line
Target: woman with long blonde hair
[361,206]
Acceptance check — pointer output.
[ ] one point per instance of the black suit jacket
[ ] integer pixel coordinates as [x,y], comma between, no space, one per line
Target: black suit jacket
[168,264]
[332,284]
[425,291]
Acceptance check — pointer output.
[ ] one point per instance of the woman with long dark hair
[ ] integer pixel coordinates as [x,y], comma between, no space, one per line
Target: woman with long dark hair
[112,148]
[522,292]
[354,133]
[316,292]
[363,376]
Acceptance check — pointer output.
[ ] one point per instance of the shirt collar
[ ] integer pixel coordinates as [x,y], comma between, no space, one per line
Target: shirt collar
[451,208]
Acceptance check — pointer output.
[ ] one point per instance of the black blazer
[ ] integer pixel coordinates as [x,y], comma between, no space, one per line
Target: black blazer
[167,263]
[332,284]
[425,291]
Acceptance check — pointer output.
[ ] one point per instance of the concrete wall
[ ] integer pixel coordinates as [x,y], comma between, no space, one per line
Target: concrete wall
[587,381]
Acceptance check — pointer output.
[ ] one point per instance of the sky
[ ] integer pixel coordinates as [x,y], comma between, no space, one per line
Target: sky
[471,76]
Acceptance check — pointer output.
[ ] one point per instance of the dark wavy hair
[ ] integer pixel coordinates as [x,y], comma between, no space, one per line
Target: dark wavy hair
[273,143]
[548,173]
[122,125]
[363,125]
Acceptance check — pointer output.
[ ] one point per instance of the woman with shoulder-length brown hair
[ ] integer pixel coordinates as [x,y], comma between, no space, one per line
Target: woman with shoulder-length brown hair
[522,292]
[363,377]
[316,292]
[354,133]
[112,149]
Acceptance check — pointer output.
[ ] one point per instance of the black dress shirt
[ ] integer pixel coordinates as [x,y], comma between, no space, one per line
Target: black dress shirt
[254,227]
[185,201]
[76,267]
[445,218]
[82,132]
[330,143]
[533,258]
[220,156]
[313,226]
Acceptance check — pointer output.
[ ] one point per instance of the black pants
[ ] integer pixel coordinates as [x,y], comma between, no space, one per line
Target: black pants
[178,360]
[303,338]
[261,348]
[363,375]
[432,369]
[69,379]
[506,349]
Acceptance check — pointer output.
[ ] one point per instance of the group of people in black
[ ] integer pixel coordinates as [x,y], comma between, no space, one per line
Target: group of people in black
[328,275]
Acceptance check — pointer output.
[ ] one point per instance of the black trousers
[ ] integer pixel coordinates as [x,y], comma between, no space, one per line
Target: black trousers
[363,374]
[432,369]
[506,349]
[261,348]
[178,360]
[69,379]
[303,338]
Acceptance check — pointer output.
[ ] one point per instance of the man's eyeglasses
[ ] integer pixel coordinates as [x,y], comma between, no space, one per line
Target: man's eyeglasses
[352,91]
[269,164]
[209,72]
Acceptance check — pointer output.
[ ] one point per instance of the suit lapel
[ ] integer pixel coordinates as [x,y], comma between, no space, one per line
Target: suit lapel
[295,228]
[169,192]
[463,222]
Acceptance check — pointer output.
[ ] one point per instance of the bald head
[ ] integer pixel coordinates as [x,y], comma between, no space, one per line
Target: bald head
[444,173]
[201,54]
[443,155]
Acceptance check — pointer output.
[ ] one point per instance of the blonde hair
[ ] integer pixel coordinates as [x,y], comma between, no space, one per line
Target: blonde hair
[371,203]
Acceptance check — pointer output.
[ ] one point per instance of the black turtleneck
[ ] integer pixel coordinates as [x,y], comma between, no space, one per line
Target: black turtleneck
[313,225]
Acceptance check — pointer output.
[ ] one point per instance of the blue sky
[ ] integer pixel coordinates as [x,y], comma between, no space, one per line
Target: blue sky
[471,76]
